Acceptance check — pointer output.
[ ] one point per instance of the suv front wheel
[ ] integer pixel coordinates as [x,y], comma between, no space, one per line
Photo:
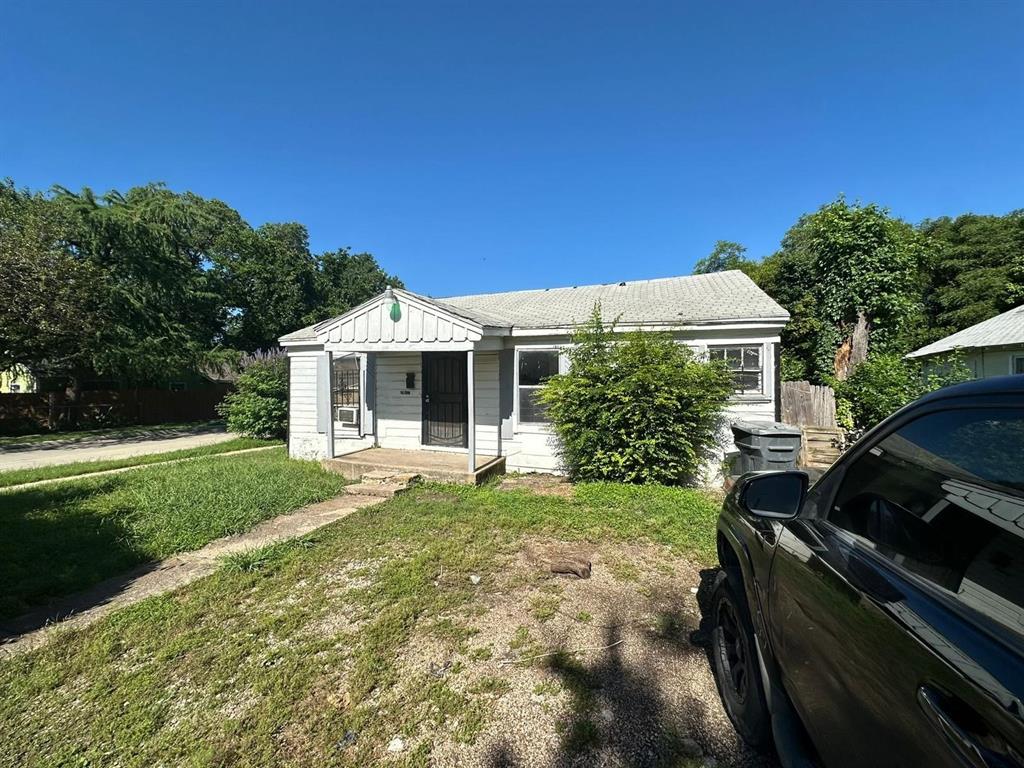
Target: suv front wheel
[734,660]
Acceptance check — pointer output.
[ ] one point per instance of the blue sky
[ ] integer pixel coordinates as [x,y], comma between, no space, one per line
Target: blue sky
[482,146]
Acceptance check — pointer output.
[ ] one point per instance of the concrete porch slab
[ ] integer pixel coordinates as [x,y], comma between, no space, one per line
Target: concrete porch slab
[443,466]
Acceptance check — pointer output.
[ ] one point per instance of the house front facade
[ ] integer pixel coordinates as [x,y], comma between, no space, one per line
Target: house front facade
[461,374]
[993,347]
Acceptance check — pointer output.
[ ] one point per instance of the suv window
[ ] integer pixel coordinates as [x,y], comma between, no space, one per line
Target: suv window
[943,497]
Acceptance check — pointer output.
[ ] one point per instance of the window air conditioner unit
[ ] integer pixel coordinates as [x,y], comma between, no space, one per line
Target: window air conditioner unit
[346,414]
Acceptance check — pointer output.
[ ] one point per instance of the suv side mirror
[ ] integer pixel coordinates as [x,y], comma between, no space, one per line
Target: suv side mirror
[776,495]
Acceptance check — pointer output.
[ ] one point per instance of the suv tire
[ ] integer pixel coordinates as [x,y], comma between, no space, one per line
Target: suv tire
[735,664]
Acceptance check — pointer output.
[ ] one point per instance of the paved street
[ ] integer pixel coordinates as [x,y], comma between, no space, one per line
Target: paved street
[97,448]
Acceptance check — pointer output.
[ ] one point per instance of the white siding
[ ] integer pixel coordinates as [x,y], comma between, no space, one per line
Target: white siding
[532,452]
[304,442]
[399,417]
[986,363]
[485,387]
[534,449]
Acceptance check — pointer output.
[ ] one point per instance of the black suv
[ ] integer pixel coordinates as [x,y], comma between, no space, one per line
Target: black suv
[877,619]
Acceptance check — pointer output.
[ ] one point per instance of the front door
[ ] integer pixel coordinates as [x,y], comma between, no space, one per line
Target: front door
[444,399]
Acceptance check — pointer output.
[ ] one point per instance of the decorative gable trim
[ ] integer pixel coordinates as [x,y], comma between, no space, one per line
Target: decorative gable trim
[419,322]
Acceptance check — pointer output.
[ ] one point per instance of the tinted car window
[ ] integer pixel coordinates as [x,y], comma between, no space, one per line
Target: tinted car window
[943,497]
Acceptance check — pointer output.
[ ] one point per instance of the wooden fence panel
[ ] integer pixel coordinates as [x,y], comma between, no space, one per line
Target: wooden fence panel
[29,411]
[808,405]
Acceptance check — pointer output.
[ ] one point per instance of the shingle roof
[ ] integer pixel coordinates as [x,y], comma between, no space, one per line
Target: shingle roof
[693,299]
[670,300]
[1002,330]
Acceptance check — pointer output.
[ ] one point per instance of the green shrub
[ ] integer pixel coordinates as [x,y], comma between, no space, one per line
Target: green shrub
[884,383]
[259,405]
[637,408]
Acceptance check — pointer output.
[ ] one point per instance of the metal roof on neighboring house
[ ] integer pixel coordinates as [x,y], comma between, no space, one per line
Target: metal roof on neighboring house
[1002,330]
[693,299]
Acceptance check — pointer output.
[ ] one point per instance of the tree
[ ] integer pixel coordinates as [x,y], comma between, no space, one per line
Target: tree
[53,304]
[152,247]
[849,276]
[638,408]
[147,284]
[725,255]
[270,284]
[977,270]
[345,280]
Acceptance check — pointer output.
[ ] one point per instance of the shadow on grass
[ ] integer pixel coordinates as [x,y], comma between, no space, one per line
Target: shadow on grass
[617,712]
[54,544]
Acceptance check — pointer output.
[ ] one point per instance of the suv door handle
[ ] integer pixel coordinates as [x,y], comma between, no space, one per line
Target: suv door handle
[958,738]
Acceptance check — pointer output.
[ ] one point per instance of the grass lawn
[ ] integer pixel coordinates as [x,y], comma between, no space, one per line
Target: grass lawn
[111,432]
[61,538]
[19,476]
[323,650]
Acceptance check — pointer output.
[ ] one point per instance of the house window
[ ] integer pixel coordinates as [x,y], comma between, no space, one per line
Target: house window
[1018,364]
[345,400]
[535,367]
[744,362]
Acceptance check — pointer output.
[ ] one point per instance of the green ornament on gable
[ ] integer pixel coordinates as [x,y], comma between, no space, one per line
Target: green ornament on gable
[395,312]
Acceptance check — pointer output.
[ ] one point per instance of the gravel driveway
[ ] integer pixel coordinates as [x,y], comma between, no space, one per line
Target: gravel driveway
[631,686]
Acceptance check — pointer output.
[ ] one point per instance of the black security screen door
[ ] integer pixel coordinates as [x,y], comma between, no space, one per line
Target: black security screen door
[444,399]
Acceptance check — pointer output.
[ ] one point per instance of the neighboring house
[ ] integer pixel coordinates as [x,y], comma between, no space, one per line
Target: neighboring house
[16,380]
[993,347]
[462,373]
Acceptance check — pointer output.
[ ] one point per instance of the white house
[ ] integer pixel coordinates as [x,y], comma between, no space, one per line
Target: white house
[993,347]
[460,374]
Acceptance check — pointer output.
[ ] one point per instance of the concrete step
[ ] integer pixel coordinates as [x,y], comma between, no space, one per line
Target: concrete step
[383,490]
[388,476]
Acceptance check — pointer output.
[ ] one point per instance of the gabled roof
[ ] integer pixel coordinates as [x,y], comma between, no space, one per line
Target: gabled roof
[670,301]
[693,299]
[1002,330]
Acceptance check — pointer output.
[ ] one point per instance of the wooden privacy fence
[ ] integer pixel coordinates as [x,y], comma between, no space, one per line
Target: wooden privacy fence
[808,405]
[25,411]
[813,409]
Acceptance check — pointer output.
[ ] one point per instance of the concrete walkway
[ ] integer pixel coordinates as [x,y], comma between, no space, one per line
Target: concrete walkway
[100,448]
[33,630]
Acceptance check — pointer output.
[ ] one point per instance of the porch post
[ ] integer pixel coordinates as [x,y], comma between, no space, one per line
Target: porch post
[471,411]
[325,388]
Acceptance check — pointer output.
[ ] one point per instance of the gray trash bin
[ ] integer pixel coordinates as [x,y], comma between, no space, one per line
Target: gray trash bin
[765,445]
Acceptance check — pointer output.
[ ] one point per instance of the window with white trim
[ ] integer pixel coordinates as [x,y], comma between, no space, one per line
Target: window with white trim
[345,400]
[1018,364]
[536,366]
[745,363]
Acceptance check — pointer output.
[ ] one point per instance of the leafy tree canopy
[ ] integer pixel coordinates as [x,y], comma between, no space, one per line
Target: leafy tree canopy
[141,284]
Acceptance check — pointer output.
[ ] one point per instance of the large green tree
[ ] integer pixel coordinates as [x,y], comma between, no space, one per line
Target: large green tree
[849,275]
[149,283]
[53,303]
[976,269]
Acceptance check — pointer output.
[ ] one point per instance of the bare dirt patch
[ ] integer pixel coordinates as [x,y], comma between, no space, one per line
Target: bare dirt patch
[597,671]
[545,485]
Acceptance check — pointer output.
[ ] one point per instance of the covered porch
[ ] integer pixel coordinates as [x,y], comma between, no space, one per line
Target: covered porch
[403,384]
[433,465]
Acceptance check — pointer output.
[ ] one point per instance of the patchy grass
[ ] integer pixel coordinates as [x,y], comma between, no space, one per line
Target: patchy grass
[545,607]
[318,651]
[61,538]
[106,432]
[33,474]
